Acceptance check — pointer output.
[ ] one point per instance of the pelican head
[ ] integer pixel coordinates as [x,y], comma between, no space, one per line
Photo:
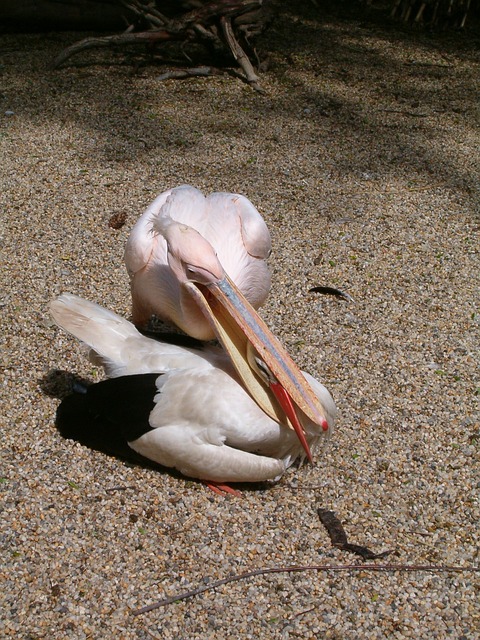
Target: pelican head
[190,257]
[265,368]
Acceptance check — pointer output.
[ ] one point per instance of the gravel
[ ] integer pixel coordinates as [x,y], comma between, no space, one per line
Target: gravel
[364,158]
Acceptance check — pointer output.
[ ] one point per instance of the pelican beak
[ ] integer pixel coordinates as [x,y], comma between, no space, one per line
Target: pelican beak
[286,403]
[244,335]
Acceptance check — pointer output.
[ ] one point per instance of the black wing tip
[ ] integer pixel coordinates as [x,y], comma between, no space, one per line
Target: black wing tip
[177,339]
[107,415]
[57,383]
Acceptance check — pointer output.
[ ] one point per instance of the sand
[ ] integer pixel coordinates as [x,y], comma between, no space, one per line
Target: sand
[363,156]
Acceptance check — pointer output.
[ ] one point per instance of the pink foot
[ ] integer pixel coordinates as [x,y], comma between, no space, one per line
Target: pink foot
[221,489]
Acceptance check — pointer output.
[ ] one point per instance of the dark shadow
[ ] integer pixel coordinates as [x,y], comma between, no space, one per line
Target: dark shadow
[347,52]
[60,384]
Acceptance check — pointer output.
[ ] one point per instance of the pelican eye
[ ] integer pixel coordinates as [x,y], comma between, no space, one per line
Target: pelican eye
[264,371]
[258,366]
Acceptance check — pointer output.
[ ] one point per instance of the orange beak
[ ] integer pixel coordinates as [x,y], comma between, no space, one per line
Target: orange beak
[284,396]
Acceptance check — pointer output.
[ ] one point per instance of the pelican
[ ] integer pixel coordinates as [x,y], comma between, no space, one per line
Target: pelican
[184,408]
[234,229]
[176,271]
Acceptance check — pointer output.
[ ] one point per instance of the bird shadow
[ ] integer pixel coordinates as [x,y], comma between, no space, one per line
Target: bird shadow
[59,384]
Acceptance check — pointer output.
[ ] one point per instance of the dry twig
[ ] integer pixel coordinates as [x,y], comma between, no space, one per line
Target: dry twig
[296,569]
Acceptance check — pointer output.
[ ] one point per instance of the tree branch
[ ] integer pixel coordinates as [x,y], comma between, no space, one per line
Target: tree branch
[239,54]
[126,38]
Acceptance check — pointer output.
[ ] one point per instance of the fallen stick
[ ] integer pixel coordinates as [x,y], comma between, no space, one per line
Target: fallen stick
[296,569]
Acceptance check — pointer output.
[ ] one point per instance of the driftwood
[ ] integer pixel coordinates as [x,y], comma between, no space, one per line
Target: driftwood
[221,26]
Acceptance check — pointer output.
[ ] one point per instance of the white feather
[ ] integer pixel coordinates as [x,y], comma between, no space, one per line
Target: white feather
[232,226]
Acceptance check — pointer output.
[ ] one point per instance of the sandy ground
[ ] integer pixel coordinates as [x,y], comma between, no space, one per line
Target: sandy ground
[364,158]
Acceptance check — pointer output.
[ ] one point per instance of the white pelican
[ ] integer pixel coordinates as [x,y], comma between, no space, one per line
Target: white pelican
[174,265]
[180,407]
[228,222]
